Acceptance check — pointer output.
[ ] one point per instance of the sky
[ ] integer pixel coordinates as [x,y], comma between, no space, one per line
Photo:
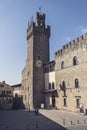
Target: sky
[67,18]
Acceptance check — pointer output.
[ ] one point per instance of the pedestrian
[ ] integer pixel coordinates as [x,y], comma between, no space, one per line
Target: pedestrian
[36,110]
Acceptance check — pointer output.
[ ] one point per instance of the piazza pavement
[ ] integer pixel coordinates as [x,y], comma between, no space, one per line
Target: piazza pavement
[45,120]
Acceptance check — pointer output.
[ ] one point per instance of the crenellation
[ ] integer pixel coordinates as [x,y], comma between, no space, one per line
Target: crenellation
[61,51]
[56,54]
[77,40]
[48,27]
[85,36]
[64,47]
[71,44]
[48,31]
[67,45]
[82,37]
[58,51]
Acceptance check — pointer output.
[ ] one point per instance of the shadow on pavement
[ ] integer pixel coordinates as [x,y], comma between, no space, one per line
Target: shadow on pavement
[48,124]
[26,120]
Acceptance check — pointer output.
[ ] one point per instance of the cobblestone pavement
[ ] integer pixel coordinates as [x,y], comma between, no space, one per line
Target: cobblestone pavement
[78,127]
[46,120]
[71,121]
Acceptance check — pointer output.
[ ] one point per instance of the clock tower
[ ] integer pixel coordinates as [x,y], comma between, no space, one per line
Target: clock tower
[38,35]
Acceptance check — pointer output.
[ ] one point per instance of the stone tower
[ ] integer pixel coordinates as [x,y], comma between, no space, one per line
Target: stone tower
[38,35]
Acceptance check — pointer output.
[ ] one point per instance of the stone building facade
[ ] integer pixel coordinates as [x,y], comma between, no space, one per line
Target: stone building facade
[6,96]
[71,73]
[50,91]
[17,97]
[16,89]
[60,83]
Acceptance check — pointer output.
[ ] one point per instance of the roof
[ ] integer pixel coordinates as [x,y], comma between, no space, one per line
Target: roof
[6,95]
[16,85]
[49,90]
[50,62]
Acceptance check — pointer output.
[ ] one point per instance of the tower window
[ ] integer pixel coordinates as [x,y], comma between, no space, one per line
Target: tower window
[41,22]
[62,64]
[75,62]
[38,57]
[76,83]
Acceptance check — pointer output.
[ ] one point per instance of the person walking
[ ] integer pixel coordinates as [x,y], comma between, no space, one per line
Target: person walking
[36,110]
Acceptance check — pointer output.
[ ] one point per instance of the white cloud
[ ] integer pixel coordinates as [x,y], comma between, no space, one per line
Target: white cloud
[83,29]
[78,31]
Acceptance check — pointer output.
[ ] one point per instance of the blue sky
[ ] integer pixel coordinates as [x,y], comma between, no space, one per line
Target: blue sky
[67,18]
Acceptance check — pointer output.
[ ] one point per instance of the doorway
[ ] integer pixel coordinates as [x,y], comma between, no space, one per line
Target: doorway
[53,101]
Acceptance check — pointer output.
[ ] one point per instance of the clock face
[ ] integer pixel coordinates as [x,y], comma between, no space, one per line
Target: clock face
[38,63]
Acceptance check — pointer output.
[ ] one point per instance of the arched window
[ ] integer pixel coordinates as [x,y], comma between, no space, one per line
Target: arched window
[53,85]
[49,85]
[62,64]
[76,83]
[77,102]
[75,62]
[64,87]
[63,84]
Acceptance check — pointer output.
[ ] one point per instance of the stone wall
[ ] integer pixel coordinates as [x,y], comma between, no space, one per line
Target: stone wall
[69,72]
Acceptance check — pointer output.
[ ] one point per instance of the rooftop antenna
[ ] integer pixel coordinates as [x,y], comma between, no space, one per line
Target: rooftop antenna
[40,9]
[28,23]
